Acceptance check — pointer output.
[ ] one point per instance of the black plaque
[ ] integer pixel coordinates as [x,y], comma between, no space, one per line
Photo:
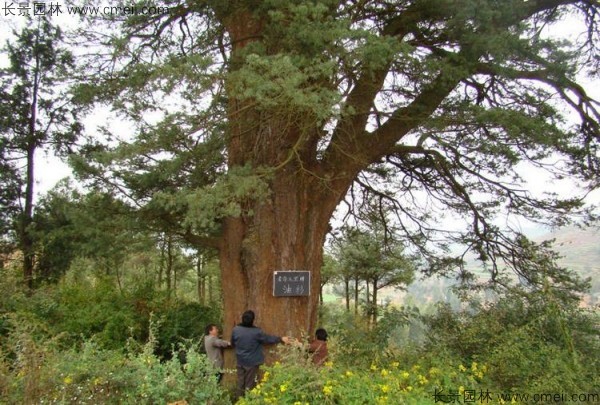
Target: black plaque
[291,283]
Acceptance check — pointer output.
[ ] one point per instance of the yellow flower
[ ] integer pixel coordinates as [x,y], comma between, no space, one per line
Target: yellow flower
[283,388]
[373,367]
[434,371]
[395,364]
[349,373]
[329,364]
[384,372]
[461,390]
[405,374]
[462,368]
[384,388]
[266,376]
[68,380]
[382,400]
[474,366]
[327,390]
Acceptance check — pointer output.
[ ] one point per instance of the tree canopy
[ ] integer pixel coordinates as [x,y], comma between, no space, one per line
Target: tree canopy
[427,105]
[35,114]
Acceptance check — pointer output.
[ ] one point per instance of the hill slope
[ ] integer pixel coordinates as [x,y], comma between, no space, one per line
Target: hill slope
[580,251]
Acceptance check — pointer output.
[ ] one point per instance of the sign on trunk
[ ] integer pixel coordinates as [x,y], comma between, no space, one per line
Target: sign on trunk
[291,283]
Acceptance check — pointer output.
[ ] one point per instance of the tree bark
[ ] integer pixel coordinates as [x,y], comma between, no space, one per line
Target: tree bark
[27,219]
[27,216]
[373,306]
[321,294]
[201,281]
[347,292]
[356,280]
[169,265]
[286,232]
[287,229]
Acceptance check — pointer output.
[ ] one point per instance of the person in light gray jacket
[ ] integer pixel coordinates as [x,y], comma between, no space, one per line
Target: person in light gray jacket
[214,348]
[248,341]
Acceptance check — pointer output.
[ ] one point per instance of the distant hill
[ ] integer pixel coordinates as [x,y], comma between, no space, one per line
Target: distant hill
[580,251]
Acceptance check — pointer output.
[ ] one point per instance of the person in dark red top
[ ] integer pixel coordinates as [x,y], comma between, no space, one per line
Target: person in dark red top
[318,347]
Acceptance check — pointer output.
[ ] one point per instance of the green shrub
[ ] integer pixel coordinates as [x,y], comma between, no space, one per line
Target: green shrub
[296,381]
[528,343]
[89,374]
[181,322]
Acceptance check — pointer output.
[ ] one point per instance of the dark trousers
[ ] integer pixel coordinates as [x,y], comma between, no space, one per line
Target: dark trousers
[246,379]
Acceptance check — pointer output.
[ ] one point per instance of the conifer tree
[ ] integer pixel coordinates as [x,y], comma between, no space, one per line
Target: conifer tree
[36,115]
[273,112]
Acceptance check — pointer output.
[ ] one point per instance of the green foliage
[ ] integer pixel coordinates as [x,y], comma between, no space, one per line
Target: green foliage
[35,114]
[371,381]
[101,312]
[510,347]
[228,197]
[430,106]
[89,343]
[67,343]
[375,257]
[526,342]
[94,309]
[181,322]
[358,342]
[88,374]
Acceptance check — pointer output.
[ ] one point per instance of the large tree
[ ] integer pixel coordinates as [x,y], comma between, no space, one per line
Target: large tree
[35,115]
[256,118]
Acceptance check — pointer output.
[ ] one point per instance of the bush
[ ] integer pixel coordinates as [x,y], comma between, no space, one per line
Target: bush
[295,380]
[528,343]
[90,374]
[181,322]
[99,311]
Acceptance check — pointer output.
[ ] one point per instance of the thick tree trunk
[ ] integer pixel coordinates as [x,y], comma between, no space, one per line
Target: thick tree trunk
[285,233]
[287,229]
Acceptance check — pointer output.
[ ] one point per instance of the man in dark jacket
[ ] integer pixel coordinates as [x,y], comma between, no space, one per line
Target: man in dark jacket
[248,341]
